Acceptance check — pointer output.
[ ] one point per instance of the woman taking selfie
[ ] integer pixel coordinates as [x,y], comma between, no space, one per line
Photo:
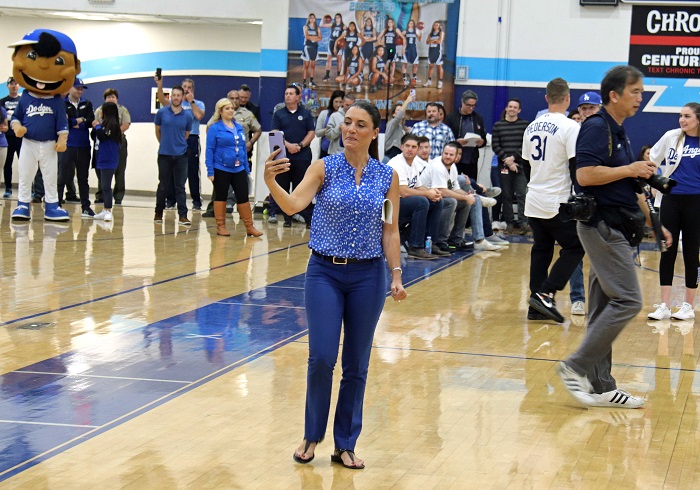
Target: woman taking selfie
[351,246]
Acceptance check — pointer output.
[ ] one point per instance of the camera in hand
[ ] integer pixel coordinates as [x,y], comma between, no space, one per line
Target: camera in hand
[580,207]
[660,183]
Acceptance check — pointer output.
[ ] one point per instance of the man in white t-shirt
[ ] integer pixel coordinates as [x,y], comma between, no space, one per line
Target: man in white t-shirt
[549,144]
[456,203]
[419,204]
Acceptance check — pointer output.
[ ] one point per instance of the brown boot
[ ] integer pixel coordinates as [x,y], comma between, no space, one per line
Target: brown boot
[220,215]
[247,217]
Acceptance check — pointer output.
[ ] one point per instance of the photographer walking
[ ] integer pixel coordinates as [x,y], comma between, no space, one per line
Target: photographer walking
[607,171]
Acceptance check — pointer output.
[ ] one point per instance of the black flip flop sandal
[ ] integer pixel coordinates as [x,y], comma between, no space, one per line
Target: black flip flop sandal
[298,459]
[337,458]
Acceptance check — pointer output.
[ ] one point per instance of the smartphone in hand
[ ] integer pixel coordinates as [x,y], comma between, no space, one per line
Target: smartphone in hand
[276,139]
[159,73]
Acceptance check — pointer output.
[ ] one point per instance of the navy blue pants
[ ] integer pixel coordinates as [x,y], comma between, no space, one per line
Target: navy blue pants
[353,296]
[172,170]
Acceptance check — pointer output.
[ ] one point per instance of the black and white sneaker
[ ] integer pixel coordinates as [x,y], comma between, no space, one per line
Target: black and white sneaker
[546,305]
[616,399]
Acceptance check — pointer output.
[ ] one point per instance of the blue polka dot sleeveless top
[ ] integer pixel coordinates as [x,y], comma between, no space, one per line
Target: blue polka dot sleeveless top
[347,219]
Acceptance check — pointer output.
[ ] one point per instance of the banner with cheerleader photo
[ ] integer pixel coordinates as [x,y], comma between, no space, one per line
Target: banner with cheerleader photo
[379,51]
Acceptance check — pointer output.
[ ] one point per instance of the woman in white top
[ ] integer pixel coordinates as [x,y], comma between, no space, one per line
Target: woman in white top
[677,154]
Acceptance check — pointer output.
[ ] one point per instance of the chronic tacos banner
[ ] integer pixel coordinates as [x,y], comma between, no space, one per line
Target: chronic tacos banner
[379,50]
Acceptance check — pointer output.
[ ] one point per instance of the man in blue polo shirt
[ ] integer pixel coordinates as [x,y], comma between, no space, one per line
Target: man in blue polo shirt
[299,130]
[173,126]
[607,171]
[197,108]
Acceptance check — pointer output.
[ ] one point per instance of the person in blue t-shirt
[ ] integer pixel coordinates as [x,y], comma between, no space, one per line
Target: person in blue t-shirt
[352,234]
[173,126]
[607,171]
[678,155]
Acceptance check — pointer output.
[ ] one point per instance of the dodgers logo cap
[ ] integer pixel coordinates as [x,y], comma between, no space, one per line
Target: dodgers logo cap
[590,98]
[32,37]
[79,83]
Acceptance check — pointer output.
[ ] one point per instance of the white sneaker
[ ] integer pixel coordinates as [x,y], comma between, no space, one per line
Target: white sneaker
[358,88]
[496,240]
[487,202]
[439,83]
[684,313]
[662,312]
[104,215]
[428,83]
[616,399]
[493,192]
[485,245]
[578,386]
[272,219]
[578,308]
[299,218]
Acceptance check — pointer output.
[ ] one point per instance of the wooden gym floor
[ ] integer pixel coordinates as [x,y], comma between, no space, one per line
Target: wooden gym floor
[147,356]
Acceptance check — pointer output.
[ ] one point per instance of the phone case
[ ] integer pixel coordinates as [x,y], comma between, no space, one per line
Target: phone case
[277,141]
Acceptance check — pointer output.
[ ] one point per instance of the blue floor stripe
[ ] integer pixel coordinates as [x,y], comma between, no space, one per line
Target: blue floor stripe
[107,385]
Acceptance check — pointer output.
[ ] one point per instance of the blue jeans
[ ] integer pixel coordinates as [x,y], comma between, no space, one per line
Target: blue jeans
[172,171]
[425,218]
[193,150]
[453,219]
[577,291]
[351,296]
[476,211]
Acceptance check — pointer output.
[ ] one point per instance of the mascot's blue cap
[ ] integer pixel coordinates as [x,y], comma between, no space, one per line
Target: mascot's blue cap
[32,37]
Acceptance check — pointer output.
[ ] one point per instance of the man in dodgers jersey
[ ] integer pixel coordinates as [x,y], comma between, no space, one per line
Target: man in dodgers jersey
[549,144]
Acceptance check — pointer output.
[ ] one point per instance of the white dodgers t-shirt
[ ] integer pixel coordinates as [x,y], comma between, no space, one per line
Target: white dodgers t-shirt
[408,174]
[443,178]
[548,144]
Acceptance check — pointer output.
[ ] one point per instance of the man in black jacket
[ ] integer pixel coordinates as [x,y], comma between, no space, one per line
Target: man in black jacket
[77,155]
[467,120]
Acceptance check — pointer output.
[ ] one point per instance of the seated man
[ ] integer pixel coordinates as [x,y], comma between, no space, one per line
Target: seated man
[419,203]
[456,203]
[479,215]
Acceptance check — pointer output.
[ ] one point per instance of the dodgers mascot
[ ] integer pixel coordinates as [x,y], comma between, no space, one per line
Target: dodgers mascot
[45,63]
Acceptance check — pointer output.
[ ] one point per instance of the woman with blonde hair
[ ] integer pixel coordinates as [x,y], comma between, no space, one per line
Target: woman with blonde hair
[677,154]
[227,165]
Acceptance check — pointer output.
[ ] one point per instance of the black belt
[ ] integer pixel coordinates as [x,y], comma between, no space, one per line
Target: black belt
[340,260]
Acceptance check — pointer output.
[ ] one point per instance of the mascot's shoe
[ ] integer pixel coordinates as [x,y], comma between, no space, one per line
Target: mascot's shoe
[54,213]
[21,212]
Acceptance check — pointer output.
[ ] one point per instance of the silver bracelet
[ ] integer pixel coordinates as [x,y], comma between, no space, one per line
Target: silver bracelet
[397,269]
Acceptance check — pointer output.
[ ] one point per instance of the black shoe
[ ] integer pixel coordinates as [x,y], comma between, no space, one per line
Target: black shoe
[287,224]
[462,245]
[208,213]
[535,315]
[546,305]
[446,248]
[118,202]
[308,226]
[440,252]
[72,200]
[99,201]
[36,199]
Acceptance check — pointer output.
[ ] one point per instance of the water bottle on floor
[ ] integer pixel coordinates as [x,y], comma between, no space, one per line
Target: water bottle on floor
[429,245]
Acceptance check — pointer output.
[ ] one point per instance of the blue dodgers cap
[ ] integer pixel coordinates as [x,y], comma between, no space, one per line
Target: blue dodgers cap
[32,37]
[79,83]
[590,98]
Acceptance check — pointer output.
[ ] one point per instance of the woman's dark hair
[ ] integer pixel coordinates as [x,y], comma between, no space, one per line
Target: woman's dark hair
[373,112]
[334,95]
[353,25]
[110,121]
[640,157]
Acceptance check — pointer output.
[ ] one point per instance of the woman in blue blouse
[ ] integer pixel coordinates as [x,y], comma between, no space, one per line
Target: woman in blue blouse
[346,276]
[227,165]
